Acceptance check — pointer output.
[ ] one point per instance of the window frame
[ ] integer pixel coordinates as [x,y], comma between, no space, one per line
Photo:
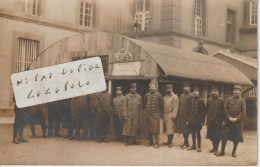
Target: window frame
[83,20]
[198,17]
[251,13]
[230,26]
[144,14]
[25,5]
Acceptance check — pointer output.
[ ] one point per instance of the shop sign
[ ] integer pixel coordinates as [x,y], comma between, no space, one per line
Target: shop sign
[123,55]
[126,69]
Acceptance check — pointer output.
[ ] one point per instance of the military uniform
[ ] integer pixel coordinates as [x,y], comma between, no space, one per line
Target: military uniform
[54,118]
[19,122]
[133,111]
[118,103]
[67,116]
[79,108]
[215,116]
[196,117]
[102,115]
[236,108]
[171,107]
[37,115]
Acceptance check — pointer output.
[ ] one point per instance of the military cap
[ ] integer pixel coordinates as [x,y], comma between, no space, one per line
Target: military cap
[168,86]
[186,84]
[196,88]
[215,87]
[119,88]
[152,85]
[237,87]
[133,85]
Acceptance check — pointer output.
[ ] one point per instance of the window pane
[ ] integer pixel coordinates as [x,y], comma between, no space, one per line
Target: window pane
[139,5]
[147,5]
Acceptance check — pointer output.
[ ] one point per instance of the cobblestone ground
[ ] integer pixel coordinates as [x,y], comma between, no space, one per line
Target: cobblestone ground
[60,151]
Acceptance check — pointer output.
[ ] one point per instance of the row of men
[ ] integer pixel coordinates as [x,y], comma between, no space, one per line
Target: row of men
[184,115]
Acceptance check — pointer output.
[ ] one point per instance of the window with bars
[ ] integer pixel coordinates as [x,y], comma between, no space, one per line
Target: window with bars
[253,13]
[230,33]
[86,13]
[29,6]
[225,91]
[26,53]
[198,17]
[142,13]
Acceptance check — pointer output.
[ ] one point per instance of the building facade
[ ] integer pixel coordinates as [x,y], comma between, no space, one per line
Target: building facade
[32,26]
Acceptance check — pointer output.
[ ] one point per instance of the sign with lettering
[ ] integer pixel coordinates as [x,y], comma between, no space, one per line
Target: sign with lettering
[123,55]
[124,69]
[58,82]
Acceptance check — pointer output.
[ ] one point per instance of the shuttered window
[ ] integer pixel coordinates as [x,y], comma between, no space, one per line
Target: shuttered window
[86,13]
[26,53]
[253,13]
[29,6]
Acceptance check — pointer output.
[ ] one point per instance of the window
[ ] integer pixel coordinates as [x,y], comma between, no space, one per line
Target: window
[253,13]
[225,91]
[26,54]
[142,13]
[29,6]
[86,13]
[198,22]
[230,34]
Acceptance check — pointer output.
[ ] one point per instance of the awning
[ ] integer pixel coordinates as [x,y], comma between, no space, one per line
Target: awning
[187,64]
[245,64]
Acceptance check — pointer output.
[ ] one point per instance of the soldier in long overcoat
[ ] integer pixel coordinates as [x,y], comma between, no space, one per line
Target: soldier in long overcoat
[54,118]
[196,118]
[118,103]
[171,107]
[79,109]
[215,116]
[37,115]
[133,109]
[182,114]
[235,110]
[153,106]
[104,111]
[67,116]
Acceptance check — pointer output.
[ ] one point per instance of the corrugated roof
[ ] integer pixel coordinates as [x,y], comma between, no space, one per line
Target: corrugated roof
[183,63]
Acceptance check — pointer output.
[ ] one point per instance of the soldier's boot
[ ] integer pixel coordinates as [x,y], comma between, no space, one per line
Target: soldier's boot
[199,142]
[156,138]
[186,142]
[223,146]
[15,134]
[213,149]
[170,137]
[216,147]
[127,141]
[32,130]
[193,147]
[150,138]
[134,140]
[20,133]
[85,134]
[235,144]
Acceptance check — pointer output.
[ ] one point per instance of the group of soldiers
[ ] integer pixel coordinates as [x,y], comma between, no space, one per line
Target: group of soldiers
[184,115]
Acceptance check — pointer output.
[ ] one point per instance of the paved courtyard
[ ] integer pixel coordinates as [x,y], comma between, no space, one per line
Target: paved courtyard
[60,151]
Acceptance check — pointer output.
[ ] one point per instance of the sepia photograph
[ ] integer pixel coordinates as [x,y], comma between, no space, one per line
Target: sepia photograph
[129,82]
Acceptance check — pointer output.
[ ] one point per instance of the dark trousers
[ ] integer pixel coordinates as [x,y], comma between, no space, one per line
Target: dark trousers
[194,136]
[68,121]
[156,138]
[118,125]
[34,116]
[103,127]
[19,124]
[54,120]
[90,121]
[186,139]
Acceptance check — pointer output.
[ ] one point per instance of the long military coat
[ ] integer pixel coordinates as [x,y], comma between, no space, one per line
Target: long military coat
[153,103]
[133,110]
[118,103]
[182,114]
[104,106]
[235,107]
[78,105]
[171,107]
[215,116]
